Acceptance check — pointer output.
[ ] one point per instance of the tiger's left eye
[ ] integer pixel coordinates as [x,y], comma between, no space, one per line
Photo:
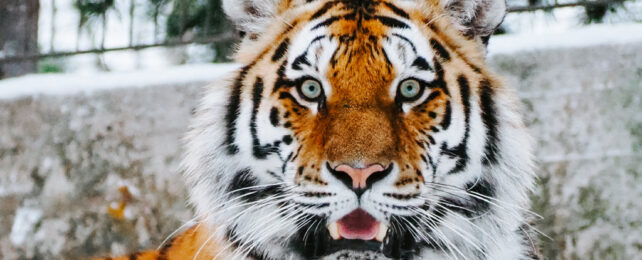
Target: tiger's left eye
[410,89]
[311,89]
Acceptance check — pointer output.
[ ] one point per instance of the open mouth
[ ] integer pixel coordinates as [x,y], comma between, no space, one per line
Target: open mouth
[358,225]
[355,232]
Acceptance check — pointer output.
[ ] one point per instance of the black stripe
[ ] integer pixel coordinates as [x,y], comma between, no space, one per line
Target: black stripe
[287,139]
[489,118]
[398,11]
[274,116]
[385,56]
[441,51]
[438,68]
[431,97]
[133,256]
[391,22]
[461,149]
[273,174]
[281,50]
[439,81]
[433,166]
[314,205]
[242,184]
[281,81]
[326,22]
[259,151]
[302,59]
[334,60]
[473,206]
[285,162]
[162,253]
[421,64]
[287,95]
[412,45]
[316,39]
[233,110]
[324,9]
[445,122]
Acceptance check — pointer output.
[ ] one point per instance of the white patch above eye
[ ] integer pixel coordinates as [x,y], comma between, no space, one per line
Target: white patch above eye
[309,55]
[403,47]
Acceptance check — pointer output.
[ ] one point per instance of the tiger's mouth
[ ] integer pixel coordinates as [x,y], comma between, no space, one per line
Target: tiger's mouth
[356,232]
[358,225]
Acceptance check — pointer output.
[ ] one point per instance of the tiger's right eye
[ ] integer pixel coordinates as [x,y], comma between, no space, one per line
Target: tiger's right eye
[409,90]
[311,89]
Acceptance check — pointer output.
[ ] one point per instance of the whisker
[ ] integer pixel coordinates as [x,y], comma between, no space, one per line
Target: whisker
[171,235]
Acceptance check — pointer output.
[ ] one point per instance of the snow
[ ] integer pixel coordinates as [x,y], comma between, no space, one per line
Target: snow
[579,37]
[24,224]
[64,84]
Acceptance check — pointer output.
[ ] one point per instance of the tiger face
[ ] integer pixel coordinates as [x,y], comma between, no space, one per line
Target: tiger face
[361,129]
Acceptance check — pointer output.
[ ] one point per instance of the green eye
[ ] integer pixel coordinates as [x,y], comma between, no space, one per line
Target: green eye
[410,89]
[311,89]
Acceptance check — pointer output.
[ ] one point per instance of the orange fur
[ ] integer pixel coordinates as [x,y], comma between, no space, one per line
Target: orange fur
[183,246]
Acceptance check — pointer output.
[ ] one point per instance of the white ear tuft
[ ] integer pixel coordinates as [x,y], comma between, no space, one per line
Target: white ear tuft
[251,16]
[476,18]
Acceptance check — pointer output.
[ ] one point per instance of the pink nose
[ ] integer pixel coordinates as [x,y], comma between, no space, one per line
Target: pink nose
[359,175]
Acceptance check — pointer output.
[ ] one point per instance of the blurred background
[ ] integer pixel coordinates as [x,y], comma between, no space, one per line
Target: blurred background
[96,94]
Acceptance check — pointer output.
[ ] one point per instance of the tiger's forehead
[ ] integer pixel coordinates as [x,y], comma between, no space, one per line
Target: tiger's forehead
[359,46]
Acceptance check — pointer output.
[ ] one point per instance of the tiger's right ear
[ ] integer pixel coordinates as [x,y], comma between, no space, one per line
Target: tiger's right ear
[475,18]
[252,16]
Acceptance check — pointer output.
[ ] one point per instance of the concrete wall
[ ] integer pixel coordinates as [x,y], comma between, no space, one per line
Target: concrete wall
[87,174]
[583,106]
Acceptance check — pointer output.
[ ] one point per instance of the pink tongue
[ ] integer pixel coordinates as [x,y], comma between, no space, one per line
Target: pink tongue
[358,225]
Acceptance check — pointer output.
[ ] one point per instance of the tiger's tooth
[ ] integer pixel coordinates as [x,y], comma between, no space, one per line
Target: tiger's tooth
[381,234]
[334,230]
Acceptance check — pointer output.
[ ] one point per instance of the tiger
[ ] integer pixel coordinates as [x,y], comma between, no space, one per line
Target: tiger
[358,129]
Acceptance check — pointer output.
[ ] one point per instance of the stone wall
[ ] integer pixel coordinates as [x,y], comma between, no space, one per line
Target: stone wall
[583,106]
[93,174]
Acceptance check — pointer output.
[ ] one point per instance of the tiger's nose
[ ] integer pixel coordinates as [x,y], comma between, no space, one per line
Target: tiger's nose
[360,179]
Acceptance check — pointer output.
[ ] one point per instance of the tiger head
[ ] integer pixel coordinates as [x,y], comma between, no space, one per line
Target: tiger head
[361,129]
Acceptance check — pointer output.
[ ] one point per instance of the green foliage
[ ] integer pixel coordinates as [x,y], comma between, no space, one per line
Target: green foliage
[155,7]
[203,19]
[89,9]
[596,13]
[50,66]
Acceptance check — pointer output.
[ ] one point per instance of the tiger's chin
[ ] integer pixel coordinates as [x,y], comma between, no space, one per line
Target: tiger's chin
[357,235]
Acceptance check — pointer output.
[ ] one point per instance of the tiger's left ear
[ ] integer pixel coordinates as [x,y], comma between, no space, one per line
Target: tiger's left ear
[475,18]
[252,16]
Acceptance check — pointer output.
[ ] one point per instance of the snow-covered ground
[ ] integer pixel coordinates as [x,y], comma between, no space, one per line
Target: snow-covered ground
[72,83]
[597,34]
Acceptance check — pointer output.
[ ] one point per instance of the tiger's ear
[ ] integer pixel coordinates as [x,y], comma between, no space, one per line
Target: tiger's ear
[252,16]
[476,18]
